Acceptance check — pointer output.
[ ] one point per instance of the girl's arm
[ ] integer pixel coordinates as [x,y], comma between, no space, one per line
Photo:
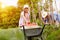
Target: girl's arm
[24,18]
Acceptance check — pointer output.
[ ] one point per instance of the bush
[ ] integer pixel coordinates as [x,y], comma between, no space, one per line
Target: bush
[48,30]
[11,34]
[54,35]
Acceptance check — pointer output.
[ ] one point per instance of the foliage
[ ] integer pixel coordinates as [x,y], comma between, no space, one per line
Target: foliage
[50,32]
[9,16]
[54,35]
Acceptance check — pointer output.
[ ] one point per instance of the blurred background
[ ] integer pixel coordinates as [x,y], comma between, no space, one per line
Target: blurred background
[10,10]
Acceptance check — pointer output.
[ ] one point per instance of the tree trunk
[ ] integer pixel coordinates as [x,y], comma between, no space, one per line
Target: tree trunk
[33,14]
[51,11]
[39,11]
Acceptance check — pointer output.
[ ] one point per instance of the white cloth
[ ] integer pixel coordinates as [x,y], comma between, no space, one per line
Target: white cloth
[44,14]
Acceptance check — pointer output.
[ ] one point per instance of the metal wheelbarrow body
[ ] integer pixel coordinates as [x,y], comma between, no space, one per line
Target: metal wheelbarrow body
[29,33]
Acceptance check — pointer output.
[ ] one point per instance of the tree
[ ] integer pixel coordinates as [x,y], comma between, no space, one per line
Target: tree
[51,10]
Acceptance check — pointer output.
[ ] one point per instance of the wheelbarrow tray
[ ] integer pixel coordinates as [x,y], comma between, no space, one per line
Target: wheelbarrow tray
[32,31]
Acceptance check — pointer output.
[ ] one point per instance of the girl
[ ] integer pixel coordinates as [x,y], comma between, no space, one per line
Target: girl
[24,18]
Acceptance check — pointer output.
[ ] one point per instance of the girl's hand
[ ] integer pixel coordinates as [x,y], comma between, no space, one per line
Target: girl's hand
[28,24]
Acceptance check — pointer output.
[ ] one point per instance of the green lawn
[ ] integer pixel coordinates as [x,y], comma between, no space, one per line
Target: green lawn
[11,34]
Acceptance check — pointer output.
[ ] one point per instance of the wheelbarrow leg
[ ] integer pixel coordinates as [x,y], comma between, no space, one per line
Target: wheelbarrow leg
[29,38]
[41,38]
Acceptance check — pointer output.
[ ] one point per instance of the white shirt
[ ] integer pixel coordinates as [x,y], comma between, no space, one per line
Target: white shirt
[44,14]
[23,18]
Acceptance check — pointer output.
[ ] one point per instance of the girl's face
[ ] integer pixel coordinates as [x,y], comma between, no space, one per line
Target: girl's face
[26,10]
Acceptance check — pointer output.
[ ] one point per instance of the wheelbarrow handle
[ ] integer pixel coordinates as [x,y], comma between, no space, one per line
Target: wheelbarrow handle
[42,29]
[24,32]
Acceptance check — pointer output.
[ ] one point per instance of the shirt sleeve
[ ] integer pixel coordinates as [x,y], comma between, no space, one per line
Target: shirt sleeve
[22,13]
[21,20]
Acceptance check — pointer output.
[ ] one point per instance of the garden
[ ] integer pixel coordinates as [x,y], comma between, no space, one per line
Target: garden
[10,15]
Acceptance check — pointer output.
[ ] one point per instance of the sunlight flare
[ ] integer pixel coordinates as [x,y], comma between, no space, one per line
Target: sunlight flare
[8,3]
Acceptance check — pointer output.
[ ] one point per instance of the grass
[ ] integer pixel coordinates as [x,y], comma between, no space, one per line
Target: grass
[54,35]
[50,33]
[11,34]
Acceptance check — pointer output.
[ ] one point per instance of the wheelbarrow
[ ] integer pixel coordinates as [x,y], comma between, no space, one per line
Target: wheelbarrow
[29,33]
